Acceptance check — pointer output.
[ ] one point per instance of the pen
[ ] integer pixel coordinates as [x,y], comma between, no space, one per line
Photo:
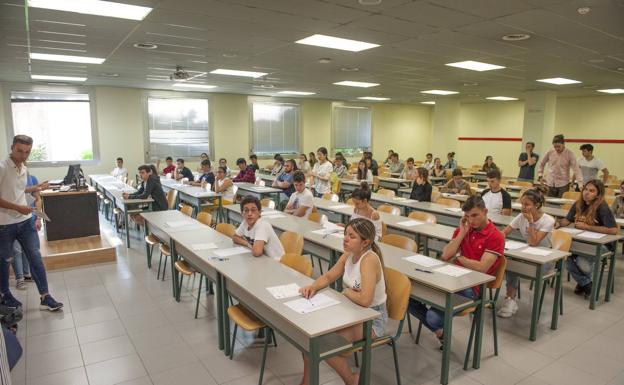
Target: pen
[424,271]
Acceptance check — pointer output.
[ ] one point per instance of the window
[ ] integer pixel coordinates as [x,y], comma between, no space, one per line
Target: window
[59,123]
[351,129]
[275,128]
[177,128]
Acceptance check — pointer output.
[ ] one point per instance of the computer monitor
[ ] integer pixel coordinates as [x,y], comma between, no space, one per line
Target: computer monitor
[73,174]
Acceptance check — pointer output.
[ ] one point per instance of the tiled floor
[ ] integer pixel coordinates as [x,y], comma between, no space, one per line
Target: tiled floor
[121,326]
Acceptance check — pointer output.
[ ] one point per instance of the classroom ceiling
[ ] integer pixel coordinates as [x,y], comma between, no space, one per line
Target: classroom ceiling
[417,38]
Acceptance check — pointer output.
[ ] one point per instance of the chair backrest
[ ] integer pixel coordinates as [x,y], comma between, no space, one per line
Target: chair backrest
[316,217]
[226,229]
[298,262]
[571,195]
[172,196]
[186,209]
[448,173]
[268,203]
[609,199]
[561,240]
[500,274]
[566,206]
[375,183]
[448,202]
[400,241]
[205,218]
[384,228]
[425,217]
[331,197]
[385,174]
[350,202]
[523,183]
[292,242]
[398,288]
[386,192]
[435,195]
[389,209]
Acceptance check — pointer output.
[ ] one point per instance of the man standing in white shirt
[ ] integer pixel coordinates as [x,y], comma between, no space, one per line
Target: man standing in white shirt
[16,225]
[590,165]
[120,172]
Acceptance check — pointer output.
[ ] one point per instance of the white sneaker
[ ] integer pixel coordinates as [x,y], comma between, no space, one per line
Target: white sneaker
[508,308]
[20,284]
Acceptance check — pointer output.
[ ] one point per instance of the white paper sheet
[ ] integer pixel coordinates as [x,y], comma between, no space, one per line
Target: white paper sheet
[274,216]
[591,235]
[284,291]
[204,246]
[452,270]
[453,209]
[41,214]
[336,207]
[174,224]
[305,306]
[620,221]
[338,235]
[514,245]
[537,251]
[570,230]
[231,251]
[516,205]
[423,260]
[412,222]
[399,199]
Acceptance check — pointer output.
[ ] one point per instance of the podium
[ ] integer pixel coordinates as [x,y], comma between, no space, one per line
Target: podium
[73,214]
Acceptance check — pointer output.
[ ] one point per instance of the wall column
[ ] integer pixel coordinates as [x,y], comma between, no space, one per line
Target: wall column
[539,119]
[445,128]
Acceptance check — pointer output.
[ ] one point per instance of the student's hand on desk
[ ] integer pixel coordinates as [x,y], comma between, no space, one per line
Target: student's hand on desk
[581,226]
[307,292]
[24,210]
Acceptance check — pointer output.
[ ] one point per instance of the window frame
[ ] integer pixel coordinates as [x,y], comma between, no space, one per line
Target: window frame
[277,101]
[358,152]
[8,88]
[146,95]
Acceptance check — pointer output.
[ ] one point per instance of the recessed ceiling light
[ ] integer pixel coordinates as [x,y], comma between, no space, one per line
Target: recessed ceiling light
[558,81]
[229,55]
[516,37]
[373,98]
[337,43]
[67,58]
[324,60]
[501,98]
[369,2]
[350,69]
[612,91]
[94,7]
[428,102]
[439,92]
[249,74]
[296,93]
[475,65]
[350,83]
[583,10]
[470,84]
[62,78]
[145,45]
[194,85]
[620,68]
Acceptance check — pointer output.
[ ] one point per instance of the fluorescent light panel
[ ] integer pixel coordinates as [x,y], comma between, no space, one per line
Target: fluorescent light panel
[94,7]
[350,83]
[249,74]
[67,58]
[337,43]
[373,98]
[501,98]
[439,92]
[558,81]
[62,78]
[475,66]
[613,91]
[194,85]
[296,93]
[428,102]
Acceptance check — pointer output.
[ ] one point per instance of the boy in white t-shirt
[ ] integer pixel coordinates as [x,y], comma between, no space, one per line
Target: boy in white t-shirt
[301,201]
[590,165]
[256,233]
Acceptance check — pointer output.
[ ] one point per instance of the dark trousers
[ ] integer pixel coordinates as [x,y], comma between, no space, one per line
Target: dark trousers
[557,192]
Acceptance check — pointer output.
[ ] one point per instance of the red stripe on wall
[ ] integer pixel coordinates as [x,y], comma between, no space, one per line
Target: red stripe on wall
[486,139]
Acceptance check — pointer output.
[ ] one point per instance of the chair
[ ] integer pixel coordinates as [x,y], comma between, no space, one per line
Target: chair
[152,241]
[389,209]
[350,202]
[435,195]
[205,218]
[292,242]
[609,199]
[375,183]
[226,229]
[448,173]
[172,197]
[562,241]
[609,191]
[186,209]
[386,192]
[566,206]
[268,203]
[523,183]
[400,241]
[448,202]
[574,195]
[317,217]
[425,217]
[297,262]
[384,228]
[331,197]
[165,250]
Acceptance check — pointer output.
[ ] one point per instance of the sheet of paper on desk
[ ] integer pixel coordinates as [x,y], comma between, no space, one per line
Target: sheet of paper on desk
[284,291]
[514,245]
[570,230]
[204,246]
[305,306]
[591,235]
[273,214]
[336,207]
[332,226]
[537,251]
[453,209]
[326,231]
[261,188]
[411,223]
[338,235]
[452,270]
[232,251]
[516,205]
[178,223]
[423,260]
[620,221]
[400,199]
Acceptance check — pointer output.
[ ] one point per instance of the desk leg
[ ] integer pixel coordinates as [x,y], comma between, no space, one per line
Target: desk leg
[537,291]
[448,334]
[315,362]
[127,225]
[557,299]
[365,370]
[226,319]
[174,276]
[476,358]
[148,250]
[220,213]
[219,288]
[611,276]
[595,289]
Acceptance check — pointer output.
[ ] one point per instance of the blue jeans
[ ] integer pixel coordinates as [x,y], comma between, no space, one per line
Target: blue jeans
[433,319]
[581,269]
[26,234]
[19,262]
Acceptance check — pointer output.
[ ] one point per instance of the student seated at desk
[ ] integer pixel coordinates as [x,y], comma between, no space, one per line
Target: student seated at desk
[361,269]
[409,171]
[438,170]
[362,208]
[206,177]
[304,165]
[389,158]
[150,188]
[254,162]
[119,172]
[536,228]
[256,233]
[321,173]
[285,180]
[224,185]
[489,164]
[363,172]
[223,163]
[301,201]
[183,172]
[451,163]
[497,199]
[170,169]
[340,169]
[476,245]
[278,166]
[617,208]
[422,189]
[373,166]
[589,213]
[457,184]
[202,158]
[395,166]
[312,159]
[245,174]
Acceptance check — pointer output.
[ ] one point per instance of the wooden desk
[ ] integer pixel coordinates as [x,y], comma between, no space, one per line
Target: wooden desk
[73,214]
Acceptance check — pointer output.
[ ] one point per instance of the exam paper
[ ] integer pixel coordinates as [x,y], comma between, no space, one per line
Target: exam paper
[536,251]
[591,235]
[452,270]
[178,223]
[284,291]
[336,207]
[570,230]
[231,251]
[204,246]
[326,231]
[514,245]
[423,260]
[305,306]
[453,209]
[411,223]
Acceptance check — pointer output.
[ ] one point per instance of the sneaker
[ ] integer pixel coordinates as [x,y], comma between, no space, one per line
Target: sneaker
[441,340]
[20,284]
[508,308]
[578,290]
[48,303]
[28,278]
[9,301]
[587,289]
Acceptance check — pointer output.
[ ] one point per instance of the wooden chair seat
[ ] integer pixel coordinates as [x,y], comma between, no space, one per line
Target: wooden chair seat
[165,249]
[184,268]
[244,318]
[152,240]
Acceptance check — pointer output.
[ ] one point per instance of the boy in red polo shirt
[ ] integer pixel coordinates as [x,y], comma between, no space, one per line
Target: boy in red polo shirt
[476,245]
